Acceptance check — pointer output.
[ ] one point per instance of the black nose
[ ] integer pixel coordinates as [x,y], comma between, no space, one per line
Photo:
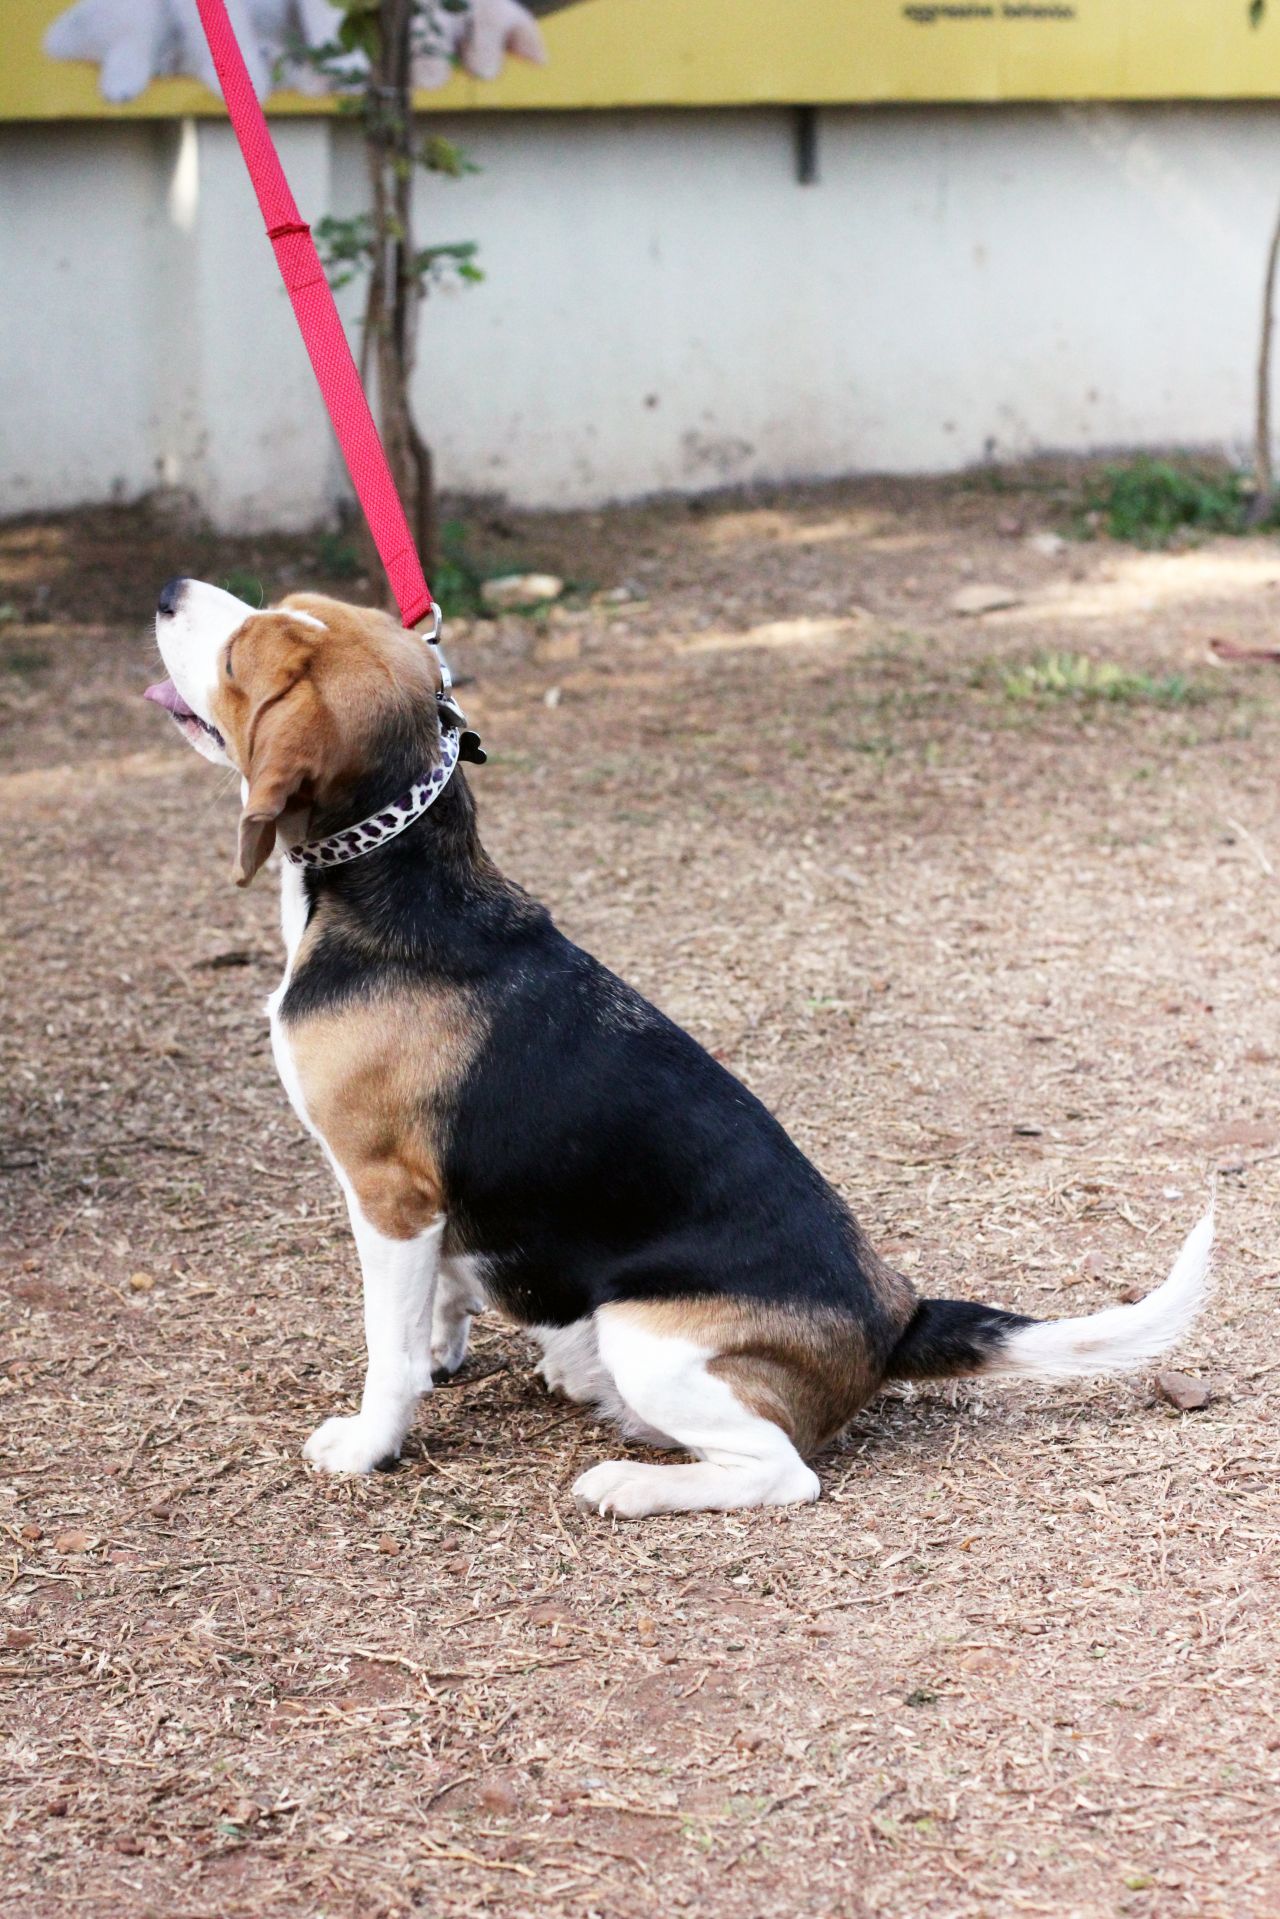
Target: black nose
[170,596]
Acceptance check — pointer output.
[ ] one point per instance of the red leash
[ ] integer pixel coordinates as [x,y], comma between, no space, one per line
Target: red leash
[317,316]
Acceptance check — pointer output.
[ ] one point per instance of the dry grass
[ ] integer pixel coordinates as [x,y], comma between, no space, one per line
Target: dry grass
[1004,965]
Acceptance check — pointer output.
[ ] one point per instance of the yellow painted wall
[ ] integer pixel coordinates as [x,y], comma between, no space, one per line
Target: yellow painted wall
[632,53]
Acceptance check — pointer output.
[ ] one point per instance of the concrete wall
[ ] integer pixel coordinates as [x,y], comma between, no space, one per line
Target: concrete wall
[144,336]
[666,307]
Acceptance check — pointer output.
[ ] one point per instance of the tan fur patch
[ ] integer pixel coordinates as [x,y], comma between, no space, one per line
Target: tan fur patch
[896,1296]
[378,1078]
[805,1368]
[360,664]
[298,706]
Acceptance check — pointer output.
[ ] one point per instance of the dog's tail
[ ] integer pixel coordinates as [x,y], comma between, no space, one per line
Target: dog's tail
[951,1336]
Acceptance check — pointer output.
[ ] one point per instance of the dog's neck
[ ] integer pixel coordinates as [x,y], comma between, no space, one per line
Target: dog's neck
[338,847]
[427,896]
[406,750]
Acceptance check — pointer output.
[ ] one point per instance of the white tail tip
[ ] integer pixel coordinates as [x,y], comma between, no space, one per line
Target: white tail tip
[1120,1338]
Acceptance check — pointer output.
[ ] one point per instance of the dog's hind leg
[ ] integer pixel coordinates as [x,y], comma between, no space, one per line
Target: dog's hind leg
[459,1296]
[665,1382]
[571,1364]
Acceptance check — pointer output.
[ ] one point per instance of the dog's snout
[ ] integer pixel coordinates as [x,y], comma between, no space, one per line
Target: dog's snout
[171,596]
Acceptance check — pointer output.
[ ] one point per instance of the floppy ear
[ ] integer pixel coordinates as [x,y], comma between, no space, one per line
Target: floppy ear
[281,772]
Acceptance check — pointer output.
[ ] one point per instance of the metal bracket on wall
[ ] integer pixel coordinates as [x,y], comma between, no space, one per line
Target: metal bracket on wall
[804,122]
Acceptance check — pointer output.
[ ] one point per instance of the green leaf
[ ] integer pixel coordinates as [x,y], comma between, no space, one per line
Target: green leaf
[359,36]
[439,155]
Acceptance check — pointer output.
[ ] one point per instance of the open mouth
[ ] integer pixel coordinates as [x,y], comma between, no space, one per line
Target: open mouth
[166,694]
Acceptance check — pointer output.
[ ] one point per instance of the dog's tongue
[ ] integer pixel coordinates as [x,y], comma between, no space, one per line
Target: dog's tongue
[166,694]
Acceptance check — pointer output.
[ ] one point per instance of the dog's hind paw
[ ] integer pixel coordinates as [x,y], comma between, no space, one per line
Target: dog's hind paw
[449,1347]
[350,1446]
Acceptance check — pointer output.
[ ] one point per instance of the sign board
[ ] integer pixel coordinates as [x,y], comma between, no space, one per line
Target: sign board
[102,59]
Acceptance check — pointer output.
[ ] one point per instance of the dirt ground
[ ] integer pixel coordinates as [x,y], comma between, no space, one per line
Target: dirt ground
[1000,953]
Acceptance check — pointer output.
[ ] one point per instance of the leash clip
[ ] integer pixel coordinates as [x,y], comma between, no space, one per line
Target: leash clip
[451,714]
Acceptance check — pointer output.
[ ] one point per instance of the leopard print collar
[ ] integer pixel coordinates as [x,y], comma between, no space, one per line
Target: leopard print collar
[353,842]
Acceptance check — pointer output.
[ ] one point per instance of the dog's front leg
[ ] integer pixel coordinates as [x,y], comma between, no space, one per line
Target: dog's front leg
[399,1288]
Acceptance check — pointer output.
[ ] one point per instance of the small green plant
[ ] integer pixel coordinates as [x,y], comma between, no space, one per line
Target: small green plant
[25,659]
[1075,677]
[457,576]
[1149,502]
[245,586]
[337,556]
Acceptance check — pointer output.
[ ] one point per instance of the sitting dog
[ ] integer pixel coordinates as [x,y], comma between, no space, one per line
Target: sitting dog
[512,1124]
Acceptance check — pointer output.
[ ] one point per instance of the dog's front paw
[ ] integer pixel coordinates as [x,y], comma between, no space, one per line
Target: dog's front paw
[350,1446]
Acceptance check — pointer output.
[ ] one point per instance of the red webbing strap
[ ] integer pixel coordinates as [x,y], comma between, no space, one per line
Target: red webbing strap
[317,316]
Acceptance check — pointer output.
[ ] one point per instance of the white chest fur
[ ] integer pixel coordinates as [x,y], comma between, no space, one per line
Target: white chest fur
[293,924]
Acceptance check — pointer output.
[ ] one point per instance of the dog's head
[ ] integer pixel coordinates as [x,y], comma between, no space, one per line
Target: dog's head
[305,700]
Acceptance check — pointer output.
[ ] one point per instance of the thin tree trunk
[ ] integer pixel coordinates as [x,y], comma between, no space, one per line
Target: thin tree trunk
[370,558]
[391,310]
[424,521]
[1264,477]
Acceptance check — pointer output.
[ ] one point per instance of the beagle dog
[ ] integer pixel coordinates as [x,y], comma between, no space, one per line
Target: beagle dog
[513,1125]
